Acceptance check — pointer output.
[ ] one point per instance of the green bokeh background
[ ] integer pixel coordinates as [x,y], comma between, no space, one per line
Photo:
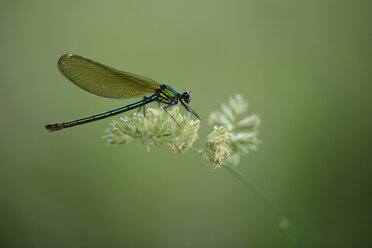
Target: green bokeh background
[304,67]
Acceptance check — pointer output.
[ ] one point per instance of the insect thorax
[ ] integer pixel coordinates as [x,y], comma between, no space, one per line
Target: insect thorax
[166,93]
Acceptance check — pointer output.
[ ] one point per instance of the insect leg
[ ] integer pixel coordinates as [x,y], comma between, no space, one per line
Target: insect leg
[139,109]
[142,106]
[190,109]
[169,105]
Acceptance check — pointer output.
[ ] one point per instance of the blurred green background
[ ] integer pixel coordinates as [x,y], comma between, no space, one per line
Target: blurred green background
[304,67]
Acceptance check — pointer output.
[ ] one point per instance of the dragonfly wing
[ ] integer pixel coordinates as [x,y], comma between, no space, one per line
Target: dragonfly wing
[103,80]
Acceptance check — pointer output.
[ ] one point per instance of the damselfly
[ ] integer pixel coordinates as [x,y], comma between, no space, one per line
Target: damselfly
[105,81]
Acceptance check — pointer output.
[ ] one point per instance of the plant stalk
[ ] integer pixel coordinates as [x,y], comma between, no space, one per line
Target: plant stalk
[282,220]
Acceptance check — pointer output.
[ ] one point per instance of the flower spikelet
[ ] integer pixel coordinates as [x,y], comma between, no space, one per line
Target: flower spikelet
[156,128]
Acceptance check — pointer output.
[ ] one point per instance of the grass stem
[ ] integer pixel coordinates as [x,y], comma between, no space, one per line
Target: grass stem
[282,220]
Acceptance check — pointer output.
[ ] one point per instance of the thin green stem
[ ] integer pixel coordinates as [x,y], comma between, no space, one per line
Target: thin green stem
[282,220]
[198,151]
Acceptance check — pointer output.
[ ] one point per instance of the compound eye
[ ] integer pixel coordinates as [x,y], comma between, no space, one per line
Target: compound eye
[186,96]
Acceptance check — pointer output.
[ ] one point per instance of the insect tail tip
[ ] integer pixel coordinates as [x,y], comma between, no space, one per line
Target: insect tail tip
[52,127]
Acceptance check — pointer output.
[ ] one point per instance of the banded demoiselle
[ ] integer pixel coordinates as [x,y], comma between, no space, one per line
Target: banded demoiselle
[105,81]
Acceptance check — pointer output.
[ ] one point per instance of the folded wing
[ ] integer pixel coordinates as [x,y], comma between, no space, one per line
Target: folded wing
[103,80]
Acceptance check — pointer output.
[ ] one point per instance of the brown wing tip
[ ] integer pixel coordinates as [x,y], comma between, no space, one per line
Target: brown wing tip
[60,61]
[65,56]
